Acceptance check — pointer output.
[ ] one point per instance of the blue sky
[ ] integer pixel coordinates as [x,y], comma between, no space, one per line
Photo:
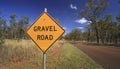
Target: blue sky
[63,10]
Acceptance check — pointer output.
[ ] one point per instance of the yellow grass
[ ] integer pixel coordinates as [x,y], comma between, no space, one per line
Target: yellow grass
[19,54]
[24,54]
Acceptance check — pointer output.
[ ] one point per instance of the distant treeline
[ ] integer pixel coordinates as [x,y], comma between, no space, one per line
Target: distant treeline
[102,28]
[109,33]
[16,29]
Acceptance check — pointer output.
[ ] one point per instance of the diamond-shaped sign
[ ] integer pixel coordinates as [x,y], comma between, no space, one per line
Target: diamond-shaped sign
[45,31]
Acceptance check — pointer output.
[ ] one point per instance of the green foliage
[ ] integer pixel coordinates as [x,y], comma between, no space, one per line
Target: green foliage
[93,11]
[118,18]
[118,1]
[16,29]
[2,30]
[108,32]
[101,27]
[1,40]
[22,26]
[75,35]
[13,26]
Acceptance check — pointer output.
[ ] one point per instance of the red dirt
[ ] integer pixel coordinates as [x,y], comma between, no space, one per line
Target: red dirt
[56,50]
[108,57]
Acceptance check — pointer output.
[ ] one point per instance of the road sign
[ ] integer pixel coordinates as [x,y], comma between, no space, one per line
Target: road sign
[45,31]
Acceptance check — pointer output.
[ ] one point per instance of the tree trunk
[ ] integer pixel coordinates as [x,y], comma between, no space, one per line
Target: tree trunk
[88,39]
[102,40]
[97,34]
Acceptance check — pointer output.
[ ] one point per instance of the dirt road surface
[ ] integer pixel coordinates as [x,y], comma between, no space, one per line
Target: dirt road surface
[108,57]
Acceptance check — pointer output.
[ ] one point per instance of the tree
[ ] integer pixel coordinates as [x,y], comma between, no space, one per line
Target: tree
[118,24]
[75,35]
[13,26]
[118,1]
[16,30]
[118,18]
[2,30]
[67,36]
[103,27]
[94,9]
[22,26]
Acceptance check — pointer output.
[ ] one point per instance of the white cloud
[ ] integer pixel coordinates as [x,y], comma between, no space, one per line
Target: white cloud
[89,22]
[80,27]
[64,28]
[73,7]
[65,31]
[81,21]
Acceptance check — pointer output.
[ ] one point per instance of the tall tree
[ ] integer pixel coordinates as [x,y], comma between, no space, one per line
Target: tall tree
[2,30]
[93,11]
[22,25]
[118,19]
[13,26]
[103,27]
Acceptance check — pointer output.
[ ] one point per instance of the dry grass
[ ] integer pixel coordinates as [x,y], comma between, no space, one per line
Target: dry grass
[24,54]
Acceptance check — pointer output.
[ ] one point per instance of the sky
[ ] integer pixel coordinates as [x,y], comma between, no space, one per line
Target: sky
[64,10]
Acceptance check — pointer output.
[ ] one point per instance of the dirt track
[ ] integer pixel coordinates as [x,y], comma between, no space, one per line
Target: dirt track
[108,57]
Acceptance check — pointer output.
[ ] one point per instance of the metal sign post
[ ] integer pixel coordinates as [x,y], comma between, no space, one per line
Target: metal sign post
[44,60]
[44,53]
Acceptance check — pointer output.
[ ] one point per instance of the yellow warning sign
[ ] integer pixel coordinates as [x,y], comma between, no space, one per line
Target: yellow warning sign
[45,31]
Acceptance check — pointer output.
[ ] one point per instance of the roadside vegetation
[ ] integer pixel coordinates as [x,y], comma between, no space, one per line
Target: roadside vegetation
[25,54]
